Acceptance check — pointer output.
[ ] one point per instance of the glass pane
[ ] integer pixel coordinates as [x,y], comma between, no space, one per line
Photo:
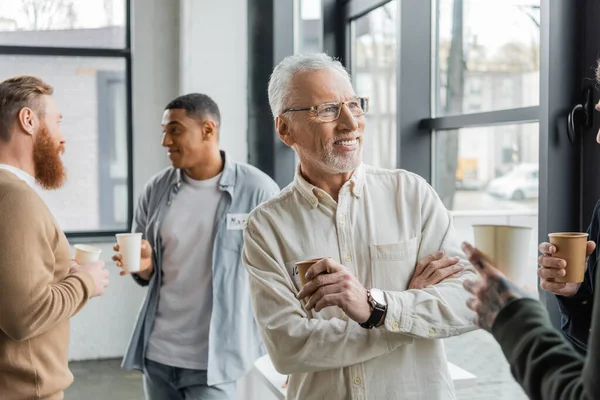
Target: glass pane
[308,35]
[488,168]
[489,175]
[488,55]
[92,97]
[63,23]
[374,66]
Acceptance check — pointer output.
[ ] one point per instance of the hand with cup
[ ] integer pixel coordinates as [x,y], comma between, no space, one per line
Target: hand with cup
[328,284]
[85,254]
[565,248]
[134,255]
[87,258]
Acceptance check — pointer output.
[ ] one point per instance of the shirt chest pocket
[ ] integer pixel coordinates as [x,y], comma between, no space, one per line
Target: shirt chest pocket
[392,265]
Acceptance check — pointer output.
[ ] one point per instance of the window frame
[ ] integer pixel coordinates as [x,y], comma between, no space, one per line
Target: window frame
[125,54]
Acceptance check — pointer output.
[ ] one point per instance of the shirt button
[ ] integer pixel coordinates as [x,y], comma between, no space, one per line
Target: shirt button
[169,204]
[178,184]
[584,302]
[342,218]
[431,332]
[357,381]
[319,194]
[348,258]
[396,326]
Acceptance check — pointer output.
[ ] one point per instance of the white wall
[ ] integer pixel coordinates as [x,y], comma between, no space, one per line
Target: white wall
[103,327]
[214,61]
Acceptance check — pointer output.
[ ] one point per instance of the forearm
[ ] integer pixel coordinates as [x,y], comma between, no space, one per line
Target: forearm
[36,311]
[299,341]
[545,365]
[437,311]
[300,344]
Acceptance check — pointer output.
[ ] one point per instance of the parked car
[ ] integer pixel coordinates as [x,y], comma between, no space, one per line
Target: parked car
[520,183]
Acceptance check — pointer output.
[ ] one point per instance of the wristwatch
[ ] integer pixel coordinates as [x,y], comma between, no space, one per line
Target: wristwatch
[378,305]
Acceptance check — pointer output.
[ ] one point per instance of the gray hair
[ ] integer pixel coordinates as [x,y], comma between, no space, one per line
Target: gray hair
[281,95]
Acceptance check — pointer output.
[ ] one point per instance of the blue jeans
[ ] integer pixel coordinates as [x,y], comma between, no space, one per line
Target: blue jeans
[162,382]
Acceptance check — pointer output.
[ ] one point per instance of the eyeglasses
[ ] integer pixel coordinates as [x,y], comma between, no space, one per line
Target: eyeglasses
[329,112]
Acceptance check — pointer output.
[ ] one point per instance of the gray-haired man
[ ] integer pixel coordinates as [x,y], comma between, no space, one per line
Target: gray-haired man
[370,327]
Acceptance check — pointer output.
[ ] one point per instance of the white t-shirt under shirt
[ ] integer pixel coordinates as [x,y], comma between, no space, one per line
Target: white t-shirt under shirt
[180,334]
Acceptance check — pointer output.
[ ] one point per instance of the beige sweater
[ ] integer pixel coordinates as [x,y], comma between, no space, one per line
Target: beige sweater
[37,296]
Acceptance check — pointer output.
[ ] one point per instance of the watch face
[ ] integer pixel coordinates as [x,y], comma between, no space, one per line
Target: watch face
[378,296]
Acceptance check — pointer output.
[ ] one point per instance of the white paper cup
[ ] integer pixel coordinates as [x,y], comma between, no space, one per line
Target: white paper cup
[130,248]
[86,254]
[507,247]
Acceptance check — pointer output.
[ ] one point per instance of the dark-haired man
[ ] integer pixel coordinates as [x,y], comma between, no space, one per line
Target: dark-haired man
[195,335]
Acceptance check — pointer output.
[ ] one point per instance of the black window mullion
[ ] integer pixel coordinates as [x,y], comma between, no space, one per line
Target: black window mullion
[501,117]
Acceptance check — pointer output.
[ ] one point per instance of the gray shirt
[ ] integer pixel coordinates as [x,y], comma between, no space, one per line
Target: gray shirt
[234,341]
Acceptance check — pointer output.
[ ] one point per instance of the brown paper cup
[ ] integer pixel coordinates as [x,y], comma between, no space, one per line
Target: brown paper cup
[303,266]
[571,247]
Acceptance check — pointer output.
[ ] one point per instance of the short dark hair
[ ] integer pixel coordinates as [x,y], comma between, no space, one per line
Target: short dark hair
[17,93]
[196,105]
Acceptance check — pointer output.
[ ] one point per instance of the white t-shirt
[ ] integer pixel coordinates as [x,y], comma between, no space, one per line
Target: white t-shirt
[179,337]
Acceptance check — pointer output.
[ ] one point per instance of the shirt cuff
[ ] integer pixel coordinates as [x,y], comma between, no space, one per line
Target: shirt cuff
[400,319]
[397,318]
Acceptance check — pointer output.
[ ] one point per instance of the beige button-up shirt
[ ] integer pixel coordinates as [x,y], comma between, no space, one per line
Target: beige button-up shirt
[383,223]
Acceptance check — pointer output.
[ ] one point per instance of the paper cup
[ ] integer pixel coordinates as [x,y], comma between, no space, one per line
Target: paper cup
[571,247]
[130,248]
[85,254]
[508,247]
[303,266]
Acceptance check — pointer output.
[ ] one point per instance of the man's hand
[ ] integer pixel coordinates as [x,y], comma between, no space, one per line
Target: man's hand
[146,268]
[492,293]
[433,269]
[331,284]
[98,271]
[552,268]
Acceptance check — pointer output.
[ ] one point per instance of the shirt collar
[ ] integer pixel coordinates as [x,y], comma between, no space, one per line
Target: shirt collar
[314,194]
[24,176]
[227,180]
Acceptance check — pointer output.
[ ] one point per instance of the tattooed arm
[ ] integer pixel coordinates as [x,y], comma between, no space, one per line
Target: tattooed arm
[492,293]
[542,361]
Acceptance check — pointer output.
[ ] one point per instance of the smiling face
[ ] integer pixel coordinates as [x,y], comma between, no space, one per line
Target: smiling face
[187,139]
[327,147]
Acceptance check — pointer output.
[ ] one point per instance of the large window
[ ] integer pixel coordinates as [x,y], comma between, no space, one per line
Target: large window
[81,48]
[486,62]
[486,84]
[374,58]
[469,71]
[488,55]
[308,26]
